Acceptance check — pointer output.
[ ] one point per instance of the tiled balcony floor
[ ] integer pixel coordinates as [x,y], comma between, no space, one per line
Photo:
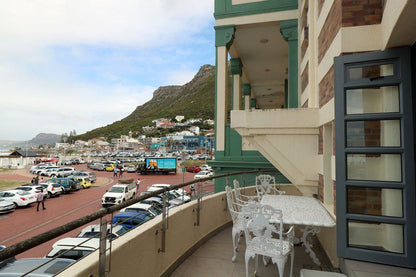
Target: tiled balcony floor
[214,259]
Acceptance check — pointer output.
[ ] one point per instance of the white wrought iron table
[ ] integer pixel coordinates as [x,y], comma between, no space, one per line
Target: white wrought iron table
[302,210]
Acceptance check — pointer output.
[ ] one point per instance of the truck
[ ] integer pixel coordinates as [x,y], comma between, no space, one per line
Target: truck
[158,165]
[124,190]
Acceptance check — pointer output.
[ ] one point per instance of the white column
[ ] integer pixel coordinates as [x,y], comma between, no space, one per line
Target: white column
[222,85]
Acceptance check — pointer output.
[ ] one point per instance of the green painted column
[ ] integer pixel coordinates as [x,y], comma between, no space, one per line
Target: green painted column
[247,94]
[236,69]
[289,31]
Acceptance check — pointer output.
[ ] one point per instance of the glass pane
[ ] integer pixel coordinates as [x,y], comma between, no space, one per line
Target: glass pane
[373,100]
[370,72]
[375,236]
[374,167]
[375,201]
[373,133]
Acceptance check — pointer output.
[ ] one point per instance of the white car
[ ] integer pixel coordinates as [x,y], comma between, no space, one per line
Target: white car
[52,189]
[203,174]
[6,206]
[205,167]
[19,197]
[180,193]
[33,189]
[78,248]
[93,231]
[142,207]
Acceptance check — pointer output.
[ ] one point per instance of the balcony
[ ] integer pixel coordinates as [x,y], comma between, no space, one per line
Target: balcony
[276,134]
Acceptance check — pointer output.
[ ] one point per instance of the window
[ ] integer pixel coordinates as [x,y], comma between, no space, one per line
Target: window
[374,130]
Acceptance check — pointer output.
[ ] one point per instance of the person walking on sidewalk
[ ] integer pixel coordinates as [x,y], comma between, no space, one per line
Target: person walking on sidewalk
[39,199]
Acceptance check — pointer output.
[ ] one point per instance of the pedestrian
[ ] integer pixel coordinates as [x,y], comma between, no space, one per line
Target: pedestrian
[115,171]
[37,179]
[41,180]
[33,181]
[39,199]
[138,184]
[121,172]
[193,189]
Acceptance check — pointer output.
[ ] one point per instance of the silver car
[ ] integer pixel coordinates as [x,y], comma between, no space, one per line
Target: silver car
[6,206]
[20,267]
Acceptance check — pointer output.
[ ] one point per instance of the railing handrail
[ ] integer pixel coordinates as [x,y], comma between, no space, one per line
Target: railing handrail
[27,244]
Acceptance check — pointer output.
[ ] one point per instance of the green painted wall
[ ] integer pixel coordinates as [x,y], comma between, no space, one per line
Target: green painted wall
[233,159]
[225,8]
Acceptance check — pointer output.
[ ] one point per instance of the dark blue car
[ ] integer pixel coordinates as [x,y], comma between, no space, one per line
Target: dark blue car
[131,220]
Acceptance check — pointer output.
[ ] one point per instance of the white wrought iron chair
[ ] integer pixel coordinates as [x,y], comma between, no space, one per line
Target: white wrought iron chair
[265,185]
[266,239]
[242,198]
[239,215]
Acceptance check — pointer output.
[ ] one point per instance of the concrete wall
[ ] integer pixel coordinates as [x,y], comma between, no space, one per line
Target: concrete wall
[136,253]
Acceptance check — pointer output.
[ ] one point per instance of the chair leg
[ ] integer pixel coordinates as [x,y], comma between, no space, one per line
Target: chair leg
[234,234]
[292,259]
[281,266]
[247,259]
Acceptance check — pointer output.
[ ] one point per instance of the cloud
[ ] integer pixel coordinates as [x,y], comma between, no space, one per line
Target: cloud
[82,64]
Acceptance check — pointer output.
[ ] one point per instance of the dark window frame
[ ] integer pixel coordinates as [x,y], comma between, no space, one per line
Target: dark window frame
[401,58]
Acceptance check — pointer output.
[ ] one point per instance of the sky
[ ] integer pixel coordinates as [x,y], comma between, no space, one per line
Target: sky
[81,64]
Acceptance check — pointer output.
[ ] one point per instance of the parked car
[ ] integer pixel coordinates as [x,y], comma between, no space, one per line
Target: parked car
[78,248]
[93,231]
[6,206]
[64,172]
[19,197]
[205,167]
[83,181]
[203,174]
[180,193]
[131,220]
[33,189]
[131,168]
[120,192]
[21,266]
[142,207]
[68,184]
[46,171]
[193,169]
[110,167]
[90,175]
[53,189]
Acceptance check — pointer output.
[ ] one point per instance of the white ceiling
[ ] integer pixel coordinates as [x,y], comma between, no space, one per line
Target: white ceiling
[264,54]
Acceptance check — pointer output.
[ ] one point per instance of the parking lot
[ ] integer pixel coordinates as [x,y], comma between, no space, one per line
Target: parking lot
[24,223]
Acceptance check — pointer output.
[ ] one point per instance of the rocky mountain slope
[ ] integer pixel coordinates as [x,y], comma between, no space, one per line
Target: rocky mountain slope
[195,99]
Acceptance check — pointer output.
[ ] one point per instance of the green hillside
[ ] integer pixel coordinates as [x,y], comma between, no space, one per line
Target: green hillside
[195,99]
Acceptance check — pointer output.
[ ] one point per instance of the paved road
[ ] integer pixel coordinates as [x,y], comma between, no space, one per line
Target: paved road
[26,222]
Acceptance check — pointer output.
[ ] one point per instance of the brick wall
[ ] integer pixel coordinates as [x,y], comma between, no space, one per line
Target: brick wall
[304,78]
[364,200]
[330,29]
[326,87]
[361,12]
[321,188]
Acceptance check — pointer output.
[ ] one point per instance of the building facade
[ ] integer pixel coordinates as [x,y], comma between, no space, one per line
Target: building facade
[322,91]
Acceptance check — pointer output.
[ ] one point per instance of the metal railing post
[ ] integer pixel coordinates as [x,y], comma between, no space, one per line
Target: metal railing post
[164,223]
[198,205]
[103,245]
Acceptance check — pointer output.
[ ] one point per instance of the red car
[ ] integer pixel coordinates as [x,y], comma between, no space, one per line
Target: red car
[193,169]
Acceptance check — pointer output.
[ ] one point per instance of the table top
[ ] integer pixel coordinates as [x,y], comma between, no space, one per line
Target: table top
[300,210]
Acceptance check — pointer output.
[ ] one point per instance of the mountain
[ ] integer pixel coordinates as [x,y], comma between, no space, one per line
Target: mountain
[195,99]
[39,139]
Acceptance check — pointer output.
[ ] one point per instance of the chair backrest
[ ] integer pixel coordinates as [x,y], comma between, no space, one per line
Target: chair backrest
[236,185]
[237,210]
[263,184]
[265,223]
